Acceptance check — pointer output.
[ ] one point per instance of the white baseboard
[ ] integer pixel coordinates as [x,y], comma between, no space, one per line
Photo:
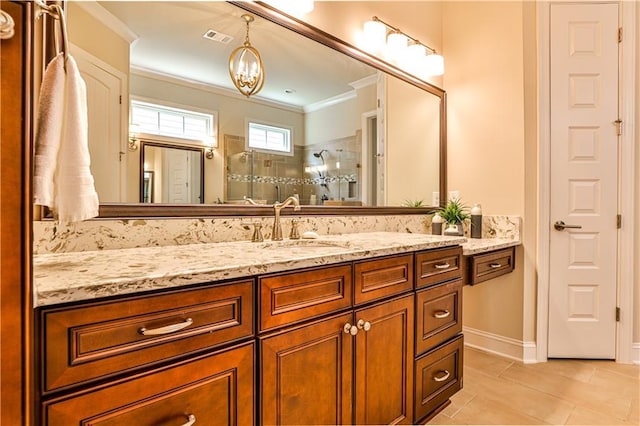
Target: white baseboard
[507,347]
[635,353]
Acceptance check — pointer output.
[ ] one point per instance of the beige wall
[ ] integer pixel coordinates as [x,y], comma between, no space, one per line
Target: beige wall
[413,132]
[92,36]
[484,79]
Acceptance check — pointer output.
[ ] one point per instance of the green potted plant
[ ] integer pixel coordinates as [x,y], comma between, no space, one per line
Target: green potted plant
[454,213]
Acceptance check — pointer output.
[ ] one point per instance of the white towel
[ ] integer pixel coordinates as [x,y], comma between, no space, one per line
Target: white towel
[62,176]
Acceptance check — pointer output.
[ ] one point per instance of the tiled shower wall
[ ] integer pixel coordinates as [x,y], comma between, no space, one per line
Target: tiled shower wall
[263,177]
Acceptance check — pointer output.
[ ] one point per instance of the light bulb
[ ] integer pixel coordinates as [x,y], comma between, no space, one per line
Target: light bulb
[374,36]
[397,47]
[434,65]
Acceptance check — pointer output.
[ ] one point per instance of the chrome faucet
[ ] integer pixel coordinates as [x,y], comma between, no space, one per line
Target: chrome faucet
[276,234]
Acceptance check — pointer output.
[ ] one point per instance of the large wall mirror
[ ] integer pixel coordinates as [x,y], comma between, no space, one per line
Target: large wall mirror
[366,138]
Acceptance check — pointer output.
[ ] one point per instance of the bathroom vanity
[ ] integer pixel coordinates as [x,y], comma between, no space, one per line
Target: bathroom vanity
[361,328]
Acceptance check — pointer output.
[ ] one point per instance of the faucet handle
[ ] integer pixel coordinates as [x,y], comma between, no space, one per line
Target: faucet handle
[257,233]
[257,230]
[294,234]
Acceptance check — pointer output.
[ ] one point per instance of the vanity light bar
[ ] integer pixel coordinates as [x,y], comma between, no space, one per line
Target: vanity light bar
[401,49]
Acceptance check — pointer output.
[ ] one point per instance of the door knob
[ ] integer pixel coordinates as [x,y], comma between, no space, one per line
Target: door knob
[561,226]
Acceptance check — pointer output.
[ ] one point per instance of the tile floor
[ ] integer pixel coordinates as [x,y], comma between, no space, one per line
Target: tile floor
[500,391]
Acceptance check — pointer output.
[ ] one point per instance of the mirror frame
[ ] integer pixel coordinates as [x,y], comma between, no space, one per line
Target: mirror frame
[129,210]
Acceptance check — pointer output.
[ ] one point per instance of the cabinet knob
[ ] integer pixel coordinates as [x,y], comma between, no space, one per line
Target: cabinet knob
[364,325]
[350,329]
[191,420]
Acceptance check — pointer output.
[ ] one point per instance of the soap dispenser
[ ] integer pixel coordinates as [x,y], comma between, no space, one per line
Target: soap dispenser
[436,224]
[476,221]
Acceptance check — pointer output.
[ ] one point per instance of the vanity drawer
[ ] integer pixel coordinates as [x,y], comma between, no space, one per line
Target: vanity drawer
[436,266]
[438,377]
[216,389]
[483,267]
[89,342]
[375,279]
[439,314]
[291,297]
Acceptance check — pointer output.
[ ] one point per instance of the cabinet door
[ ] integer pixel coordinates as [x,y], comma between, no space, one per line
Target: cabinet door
[306,375]
[212,390]
[383,363]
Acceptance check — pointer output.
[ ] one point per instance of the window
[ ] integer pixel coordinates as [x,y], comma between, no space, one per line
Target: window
[268,138]
[173,122]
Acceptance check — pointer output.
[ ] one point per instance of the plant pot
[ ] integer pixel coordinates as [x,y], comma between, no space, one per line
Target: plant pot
[454,229]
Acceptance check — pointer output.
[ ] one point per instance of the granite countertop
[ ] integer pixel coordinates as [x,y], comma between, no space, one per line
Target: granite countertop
[480,245]
[75,276]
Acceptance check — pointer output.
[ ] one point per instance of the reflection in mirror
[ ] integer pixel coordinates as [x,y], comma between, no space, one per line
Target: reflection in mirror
[171,174]
[378,138]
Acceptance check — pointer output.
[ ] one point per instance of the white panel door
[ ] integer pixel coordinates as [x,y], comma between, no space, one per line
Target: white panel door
[178,173]
[584,162]
[105,118]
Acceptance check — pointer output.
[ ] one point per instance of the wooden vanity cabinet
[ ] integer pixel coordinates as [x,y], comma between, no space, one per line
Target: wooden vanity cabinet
[439,342]
[485,266]
[149,360]
[354,367]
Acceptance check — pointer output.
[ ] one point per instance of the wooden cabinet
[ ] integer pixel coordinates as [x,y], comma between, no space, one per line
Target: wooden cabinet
[485,266]
[383,363]
[291,297]
[352,367]
[438,314]
[376,279]
[434,266]
[306,374]
[438,376]
[98,340]
[350,343]
[439,341]
[214,389]
[312,374]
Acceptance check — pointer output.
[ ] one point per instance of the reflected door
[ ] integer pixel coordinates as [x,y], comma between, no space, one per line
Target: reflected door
[584,161]
[177,170]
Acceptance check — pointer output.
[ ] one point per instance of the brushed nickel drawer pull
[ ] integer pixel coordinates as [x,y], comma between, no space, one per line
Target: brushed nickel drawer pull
[442,377]
[442,266]
[441,314]
[191,420]
[495,265]
[165,330]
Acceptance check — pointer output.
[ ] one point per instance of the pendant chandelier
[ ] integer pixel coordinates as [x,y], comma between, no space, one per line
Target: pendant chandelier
[245,65]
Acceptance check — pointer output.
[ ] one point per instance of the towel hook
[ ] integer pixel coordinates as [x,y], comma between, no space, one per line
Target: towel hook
[56,12]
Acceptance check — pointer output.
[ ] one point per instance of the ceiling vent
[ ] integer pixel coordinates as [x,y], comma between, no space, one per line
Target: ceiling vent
[217,36]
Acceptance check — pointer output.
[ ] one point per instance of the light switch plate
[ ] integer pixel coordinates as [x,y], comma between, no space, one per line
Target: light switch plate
[435,198]
[454,195]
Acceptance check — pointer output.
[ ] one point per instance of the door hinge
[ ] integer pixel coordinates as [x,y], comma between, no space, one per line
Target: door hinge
[619,221]
[620,35]
[618,124]
[617,314]
[120,100]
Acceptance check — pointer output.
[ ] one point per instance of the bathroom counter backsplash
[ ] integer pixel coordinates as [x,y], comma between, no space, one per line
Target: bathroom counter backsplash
[75,276]
[96,235]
